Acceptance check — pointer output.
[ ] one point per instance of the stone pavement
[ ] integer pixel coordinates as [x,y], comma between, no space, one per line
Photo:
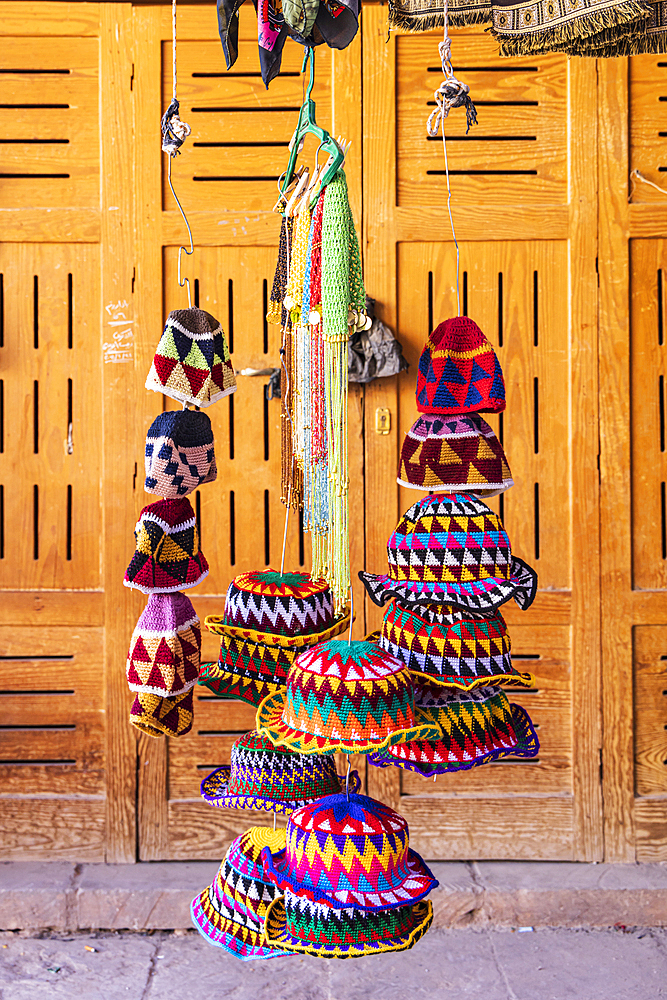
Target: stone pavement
[548,964]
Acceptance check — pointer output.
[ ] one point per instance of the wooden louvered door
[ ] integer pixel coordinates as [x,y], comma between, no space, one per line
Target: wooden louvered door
[524,210]
[226,179]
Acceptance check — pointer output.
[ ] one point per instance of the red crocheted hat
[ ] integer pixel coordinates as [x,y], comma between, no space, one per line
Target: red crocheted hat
[459,371]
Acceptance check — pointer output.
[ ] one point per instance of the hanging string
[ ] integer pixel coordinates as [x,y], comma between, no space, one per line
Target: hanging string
[349,638]
[347,777]
[282,560]
[635,175]
[174,131]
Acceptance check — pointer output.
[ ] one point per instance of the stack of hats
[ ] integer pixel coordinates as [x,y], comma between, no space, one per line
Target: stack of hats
[192,366]
[451,566]
[269,618]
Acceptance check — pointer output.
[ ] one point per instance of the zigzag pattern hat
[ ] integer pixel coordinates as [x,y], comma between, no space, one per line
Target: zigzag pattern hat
[158,716]
[264,776]
[349,852]
[299,925]
[452,550]
[191,363]
[477,727]
[459,371]
[179,453]
[344,696]
[287,604]
[453,455]
[164,654]
[167,556]
[230,913]
[465,653]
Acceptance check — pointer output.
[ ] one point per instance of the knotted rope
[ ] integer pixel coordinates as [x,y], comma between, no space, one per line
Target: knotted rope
[452,93]
[174,131]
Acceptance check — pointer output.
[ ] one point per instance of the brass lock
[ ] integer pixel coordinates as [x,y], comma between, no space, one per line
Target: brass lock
[382,420]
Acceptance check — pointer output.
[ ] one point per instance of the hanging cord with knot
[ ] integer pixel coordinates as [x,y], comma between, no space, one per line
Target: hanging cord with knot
[174,131]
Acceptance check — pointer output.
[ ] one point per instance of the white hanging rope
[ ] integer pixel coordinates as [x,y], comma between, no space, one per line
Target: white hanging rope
[174,131]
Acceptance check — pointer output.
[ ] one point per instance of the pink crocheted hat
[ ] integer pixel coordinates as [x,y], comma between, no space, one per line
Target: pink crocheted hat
[164,654]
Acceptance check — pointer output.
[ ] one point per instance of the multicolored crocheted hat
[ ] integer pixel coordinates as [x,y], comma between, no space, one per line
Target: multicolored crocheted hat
[179,453]
[230,913]
[300,925]
[349,852]
[477,727]
[454,455]
[264,776]
[349,696]
[191,363]
[167,556]
[164,654]
[463,653]
[287,604]
[157,716]
[453,550]
[459,371]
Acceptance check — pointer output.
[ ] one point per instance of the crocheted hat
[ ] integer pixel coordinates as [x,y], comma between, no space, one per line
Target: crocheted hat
[459,371]
[454,550]
[191,363]
[287,604]
[454,455]
[300,925]
[167,556]
[344,696]
[349,852]
[165,648]
[463,652]
[157,716]
[477,727]
[264,776]
[179,453]
[230,913]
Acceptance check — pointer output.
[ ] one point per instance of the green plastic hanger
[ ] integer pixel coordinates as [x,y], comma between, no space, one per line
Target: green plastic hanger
[306,125]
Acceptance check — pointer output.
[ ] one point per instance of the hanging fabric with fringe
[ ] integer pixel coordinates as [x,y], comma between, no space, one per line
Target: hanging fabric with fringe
[424,15]
[536,26]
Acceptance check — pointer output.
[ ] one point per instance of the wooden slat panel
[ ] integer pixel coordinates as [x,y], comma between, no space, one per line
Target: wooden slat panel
[53,829]
[650,706]
[51,19]
[651,821]
[203,831]
[648,135]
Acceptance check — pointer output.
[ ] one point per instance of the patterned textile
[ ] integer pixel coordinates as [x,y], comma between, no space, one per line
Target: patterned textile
[286,604]
[179,453]
[454,455]
[424,15]
[349,852]
[344,696]
[264,776]
[459,371]
[236,687]
[191,363]
[536,26]
[462,654]
[164,652]
[230,913]
[454,550]
[300,925]
[477,727]
[167,556]
[157,716]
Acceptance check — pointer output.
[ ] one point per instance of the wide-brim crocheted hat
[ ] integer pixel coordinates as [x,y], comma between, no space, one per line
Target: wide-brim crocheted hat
[349,851]
[230,913]
[459,371]
[452,550]
[464,652]
[164,653]
[477,727]
[167,557]
[264,776]
[236,687]
[454,455]
[192,362]
[285,604]
[179,453]
[297,924]
[340,695]
[157,716]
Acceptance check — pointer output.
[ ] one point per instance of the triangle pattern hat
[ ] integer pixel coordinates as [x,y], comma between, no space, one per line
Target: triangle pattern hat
[304,927]
[454,455]
[477,727]
[340,695]
[167,555]
[179,453]
[465,651]
[230,913]
[349,851]
[284,604]
[157,716]
[164,654]
[459,371]
[192,362]
[264,776]
[452,550]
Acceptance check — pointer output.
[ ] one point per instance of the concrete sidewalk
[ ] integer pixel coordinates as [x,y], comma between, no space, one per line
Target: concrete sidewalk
[445,965]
